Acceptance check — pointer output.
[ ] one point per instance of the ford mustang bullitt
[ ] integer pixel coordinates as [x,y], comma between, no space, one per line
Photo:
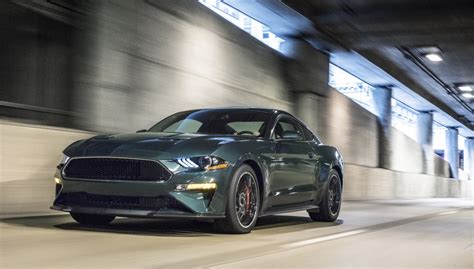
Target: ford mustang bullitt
[230,165]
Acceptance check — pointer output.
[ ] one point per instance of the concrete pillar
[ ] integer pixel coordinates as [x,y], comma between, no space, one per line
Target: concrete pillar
[469,157]
[307,68]
[103,70]
[452,153]
[382,100]
[308,108]
[307,71]
[425,138]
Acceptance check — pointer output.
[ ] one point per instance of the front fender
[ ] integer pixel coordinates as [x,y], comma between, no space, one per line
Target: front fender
[257,154]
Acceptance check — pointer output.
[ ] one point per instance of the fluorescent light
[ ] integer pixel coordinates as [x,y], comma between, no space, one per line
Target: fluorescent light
[434,57]
[468,95]
[465,88]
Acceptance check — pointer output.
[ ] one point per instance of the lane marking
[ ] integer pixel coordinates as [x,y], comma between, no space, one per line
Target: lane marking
[447,213]
[269,249]
[324,238]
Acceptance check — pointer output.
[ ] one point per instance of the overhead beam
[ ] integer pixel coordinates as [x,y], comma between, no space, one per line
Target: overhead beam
[287,23]
[399,74]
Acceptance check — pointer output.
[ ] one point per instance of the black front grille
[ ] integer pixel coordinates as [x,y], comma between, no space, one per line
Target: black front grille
[116,169]
[84,199]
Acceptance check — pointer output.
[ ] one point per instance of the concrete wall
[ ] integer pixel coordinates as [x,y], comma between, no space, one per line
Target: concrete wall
[342,122]
[377,183]
[339,121]
[28,157]
[36,66]
[351,128]
[406,154]
[441,167]
[154,58]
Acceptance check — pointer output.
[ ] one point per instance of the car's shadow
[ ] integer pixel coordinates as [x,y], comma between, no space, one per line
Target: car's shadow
[169,227]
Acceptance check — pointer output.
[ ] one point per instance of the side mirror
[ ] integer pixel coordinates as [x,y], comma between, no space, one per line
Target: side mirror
[142,131]
[291,135]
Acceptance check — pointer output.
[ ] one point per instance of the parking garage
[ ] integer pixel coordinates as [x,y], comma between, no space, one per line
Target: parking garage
[389,83]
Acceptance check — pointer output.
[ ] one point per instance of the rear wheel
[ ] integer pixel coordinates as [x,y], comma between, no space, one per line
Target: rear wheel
[243,203]
[331,203]
[91,219]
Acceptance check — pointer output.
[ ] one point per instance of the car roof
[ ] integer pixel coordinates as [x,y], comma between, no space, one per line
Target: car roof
[269,110]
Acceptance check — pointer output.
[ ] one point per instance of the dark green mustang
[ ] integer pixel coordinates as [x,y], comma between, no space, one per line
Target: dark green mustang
[230,165]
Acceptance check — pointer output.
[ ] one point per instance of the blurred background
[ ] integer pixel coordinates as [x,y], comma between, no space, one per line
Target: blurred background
[390,84]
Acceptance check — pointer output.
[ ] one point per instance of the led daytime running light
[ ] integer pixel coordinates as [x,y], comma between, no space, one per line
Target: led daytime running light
[205,163]
[196,186]
[187,163]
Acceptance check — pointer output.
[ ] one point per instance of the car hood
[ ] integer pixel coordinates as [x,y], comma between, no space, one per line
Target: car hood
[151,145]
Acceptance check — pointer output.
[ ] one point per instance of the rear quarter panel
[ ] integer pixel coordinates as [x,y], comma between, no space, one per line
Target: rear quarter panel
[329,158]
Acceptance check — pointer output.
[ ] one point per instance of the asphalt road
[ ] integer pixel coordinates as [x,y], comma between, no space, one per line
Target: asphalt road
[435,233]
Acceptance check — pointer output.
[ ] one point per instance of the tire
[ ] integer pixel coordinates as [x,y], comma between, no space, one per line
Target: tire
[330,205]
[243,203]
[90,219]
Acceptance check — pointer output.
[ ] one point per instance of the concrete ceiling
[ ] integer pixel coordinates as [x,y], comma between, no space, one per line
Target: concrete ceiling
[379,42]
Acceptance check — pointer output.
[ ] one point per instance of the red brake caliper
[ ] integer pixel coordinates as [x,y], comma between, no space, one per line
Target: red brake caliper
[247,199]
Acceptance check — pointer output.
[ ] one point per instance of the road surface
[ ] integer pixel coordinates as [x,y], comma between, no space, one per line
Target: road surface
[433,233]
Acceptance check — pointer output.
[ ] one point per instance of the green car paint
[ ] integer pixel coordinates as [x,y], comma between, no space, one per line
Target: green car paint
[292,173]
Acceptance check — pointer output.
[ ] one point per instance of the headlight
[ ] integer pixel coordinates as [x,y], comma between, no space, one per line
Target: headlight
[64,159]
[205,163]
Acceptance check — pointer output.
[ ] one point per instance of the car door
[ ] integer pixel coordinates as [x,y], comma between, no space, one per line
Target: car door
[293,178]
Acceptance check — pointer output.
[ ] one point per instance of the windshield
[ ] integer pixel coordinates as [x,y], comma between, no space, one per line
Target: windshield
[249,122]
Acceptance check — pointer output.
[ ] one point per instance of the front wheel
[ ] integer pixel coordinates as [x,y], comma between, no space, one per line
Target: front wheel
[243,203]
[330,205]
[90,219]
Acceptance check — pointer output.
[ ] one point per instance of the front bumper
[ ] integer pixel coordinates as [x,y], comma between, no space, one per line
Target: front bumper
[145,199]
[135,213]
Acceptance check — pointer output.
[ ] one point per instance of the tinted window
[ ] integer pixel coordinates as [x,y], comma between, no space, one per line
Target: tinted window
[286,124]
[217,121]
[308,134]
[184,126]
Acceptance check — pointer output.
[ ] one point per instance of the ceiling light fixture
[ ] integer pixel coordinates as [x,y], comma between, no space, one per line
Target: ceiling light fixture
[468,95]
[415,54]
[465,88]
[434,57]
[432,53]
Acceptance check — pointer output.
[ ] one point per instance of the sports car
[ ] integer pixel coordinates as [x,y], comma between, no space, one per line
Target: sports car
[229,165]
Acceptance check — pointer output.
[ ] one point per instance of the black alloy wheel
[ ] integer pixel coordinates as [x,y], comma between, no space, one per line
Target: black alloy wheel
[334,196]
[246,199]
[330,205]
[243,203]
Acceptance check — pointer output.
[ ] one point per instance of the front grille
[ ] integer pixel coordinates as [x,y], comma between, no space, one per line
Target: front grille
[116,169]
[84,199]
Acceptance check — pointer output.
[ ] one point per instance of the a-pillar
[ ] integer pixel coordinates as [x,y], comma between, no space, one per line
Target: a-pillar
[451,153]
[425,138]
[382,99]
[469,157]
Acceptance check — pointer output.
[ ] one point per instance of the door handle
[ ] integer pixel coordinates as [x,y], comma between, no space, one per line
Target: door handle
[311,155]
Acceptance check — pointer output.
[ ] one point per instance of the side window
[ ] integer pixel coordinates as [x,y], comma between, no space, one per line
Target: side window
[308,134]
[288,125]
